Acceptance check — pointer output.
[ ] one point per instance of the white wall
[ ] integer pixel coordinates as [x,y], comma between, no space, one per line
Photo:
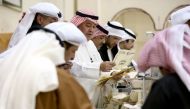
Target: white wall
[90,4]
[9,19]
[69,9]
[158,9]
[29,3]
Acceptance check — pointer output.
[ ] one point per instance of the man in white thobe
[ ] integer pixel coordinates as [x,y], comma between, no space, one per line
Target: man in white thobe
[88,64]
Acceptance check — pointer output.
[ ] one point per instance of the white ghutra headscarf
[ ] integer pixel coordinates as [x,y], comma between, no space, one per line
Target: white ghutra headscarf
[45,8]
[67,32]
[180,16]
[115,28]
[29,68]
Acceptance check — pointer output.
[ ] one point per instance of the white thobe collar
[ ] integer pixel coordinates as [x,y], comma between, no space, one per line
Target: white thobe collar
[110,55]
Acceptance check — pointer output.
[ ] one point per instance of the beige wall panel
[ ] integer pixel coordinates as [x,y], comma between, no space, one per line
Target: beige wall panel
[8,19]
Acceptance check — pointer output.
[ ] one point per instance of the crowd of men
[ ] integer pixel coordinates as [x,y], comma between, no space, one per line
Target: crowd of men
[52,64]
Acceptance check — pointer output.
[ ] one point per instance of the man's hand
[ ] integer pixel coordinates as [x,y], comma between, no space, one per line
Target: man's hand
[106,66]
[116,76]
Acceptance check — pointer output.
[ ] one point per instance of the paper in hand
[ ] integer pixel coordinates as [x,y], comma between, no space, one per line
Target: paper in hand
[123,58]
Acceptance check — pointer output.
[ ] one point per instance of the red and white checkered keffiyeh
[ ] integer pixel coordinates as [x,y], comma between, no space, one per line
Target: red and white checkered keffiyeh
[77,20]
[98,33]
[169,49]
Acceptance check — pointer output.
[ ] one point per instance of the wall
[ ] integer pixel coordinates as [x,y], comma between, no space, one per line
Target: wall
[90,4]
[156,8]
[9,19]
[69,9]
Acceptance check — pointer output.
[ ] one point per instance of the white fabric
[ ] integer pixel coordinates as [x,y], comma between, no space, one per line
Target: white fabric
[116,23]
[113,31]
[24,25]
[110,55]
[177,43]
[29,68]
[67,32]
[180,16]
[127,36]
[85,71]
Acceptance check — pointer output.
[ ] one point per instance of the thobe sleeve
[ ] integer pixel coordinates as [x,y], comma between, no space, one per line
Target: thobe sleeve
[87,70]
[86,63]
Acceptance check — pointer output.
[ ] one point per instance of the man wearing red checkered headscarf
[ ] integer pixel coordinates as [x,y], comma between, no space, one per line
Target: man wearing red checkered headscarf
[87,64]
[99,36]
[86,21]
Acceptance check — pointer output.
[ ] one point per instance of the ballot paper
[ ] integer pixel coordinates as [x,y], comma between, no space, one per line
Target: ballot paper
[123,58]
